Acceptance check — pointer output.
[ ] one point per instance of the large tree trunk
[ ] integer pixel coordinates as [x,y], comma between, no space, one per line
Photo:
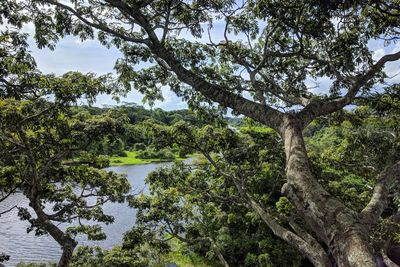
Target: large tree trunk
[67,243]
[339,227]
[68,250]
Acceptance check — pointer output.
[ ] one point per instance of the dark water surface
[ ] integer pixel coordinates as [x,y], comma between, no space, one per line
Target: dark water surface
[22,246]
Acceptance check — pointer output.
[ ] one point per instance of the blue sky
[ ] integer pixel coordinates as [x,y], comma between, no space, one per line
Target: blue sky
[90,56]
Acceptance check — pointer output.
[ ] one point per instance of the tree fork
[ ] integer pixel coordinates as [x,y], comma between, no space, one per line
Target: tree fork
[338,226]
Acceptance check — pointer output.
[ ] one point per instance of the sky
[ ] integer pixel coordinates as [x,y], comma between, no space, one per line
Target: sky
[71,54]
[90,56]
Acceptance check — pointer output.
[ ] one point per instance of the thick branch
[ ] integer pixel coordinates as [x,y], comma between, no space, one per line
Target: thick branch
[217,251]
[67,243]
[323,107]
[371,213]
[216,93]
[316,254]
[302,232]
[223,96]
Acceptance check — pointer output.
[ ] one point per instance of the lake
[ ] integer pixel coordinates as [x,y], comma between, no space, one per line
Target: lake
[22,246]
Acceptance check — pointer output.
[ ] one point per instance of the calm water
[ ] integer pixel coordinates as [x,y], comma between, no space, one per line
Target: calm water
[22,246]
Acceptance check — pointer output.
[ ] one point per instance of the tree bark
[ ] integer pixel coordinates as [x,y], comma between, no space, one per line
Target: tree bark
[67,243]
[68,250]
[338,226]
[217,251]
[305,244]
[311,250]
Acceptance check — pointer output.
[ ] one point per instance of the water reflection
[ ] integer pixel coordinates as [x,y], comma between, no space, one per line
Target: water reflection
[22,246]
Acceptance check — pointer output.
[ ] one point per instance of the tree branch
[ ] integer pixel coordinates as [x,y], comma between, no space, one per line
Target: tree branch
[322,107]
[102,27]
[8,210]
[267,115]
[372,212]
[314,252]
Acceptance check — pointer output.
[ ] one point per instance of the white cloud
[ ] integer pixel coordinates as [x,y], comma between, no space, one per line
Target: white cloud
[319,86]
[378,54]
[71,54]
[392,69]
[87,42]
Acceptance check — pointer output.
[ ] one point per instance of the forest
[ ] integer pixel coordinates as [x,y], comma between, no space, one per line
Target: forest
[288,153]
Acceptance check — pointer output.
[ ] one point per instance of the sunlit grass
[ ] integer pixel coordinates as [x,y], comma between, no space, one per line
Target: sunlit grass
[132,159]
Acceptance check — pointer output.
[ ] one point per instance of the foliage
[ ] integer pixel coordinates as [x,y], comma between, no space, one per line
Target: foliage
[132,158]
[260,64]
[43,147]
[182,256]
[349,150]
[134,136]
[139,146]
[116,257]
[200,207]
[145,256]
[191,202]
[268,49]
[122,154]
[149,153]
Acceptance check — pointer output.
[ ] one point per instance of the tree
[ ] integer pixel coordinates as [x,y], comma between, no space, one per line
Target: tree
[43,148]
[196,204]
[199,204]
[259,66]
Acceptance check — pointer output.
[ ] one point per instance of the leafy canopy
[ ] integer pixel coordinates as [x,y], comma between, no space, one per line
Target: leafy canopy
[256,57]
[43,146]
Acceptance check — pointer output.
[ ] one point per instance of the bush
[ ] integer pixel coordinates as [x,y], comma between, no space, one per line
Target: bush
[145,154]
[122,154]
[164,154]
[139,146]
[183,152]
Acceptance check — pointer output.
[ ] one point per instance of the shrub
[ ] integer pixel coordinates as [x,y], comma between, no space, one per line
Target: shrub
[139,146]
[144,154]
[122,154]
[166,154]
[149,153]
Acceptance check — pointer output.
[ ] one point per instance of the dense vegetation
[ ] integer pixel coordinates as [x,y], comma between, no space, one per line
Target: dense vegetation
[134,144]
[199,205]
[302,180]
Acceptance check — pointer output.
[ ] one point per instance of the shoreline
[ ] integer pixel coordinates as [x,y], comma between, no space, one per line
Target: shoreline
[132,159]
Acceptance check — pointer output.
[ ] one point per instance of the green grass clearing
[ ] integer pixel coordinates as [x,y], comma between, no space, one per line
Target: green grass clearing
[132,159]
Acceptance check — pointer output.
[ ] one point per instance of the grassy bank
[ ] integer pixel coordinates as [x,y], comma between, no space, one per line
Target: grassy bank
[132,159]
